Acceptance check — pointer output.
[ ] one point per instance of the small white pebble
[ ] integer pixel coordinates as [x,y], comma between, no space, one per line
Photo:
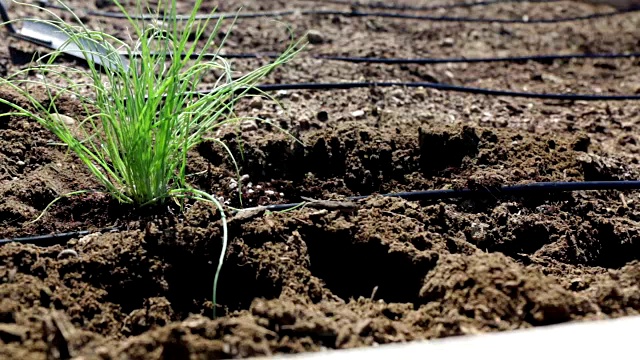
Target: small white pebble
[67,120]
[250,191]
[269,192]
[357,113]
[20,163]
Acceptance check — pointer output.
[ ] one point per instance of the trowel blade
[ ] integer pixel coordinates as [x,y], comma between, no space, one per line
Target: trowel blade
[52,37]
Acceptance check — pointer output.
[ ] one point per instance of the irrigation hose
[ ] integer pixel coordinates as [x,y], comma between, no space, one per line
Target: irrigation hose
[430,85]
[511,190]
[382,5]
[422,61]
[352,13]
[444,194]
[525,58]
[52,239]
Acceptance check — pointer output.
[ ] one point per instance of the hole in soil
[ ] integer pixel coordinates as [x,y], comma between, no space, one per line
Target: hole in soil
[452,146]
[608,244]
[352,268]
[191,272]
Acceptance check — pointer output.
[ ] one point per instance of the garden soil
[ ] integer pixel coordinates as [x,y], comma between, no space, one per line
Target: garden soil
[340,274]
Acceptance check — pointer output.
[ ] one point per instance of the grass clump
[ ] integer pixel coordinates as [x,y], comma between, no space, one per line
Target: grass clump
[144,116]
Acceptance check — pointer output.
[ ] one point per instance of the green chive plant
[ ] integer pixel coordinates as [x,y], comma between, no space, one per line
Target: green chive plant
[144,115]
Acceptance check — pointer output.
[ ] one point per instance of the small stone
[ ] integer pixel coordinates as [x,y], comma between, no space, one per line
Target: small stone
[448,42]
[20,163]
[249,125]
[358,113]
[315,37]
[420,94]
[256,103]
[67,120]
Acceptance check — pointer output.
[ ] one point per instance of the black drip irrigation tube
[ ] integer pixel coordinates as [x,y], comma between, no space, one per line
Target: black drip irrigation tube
[531,189]
[382,5]
[429,85]
[352,13]
[419,61]
[525,58]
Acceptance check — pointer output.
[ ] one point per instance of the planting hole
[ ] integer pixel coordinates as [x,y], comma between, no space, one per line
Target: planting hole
[353,268]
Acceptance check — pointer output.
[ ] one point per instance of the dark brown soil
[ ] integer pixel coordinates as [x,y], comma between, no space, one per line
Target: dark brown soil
[386,270]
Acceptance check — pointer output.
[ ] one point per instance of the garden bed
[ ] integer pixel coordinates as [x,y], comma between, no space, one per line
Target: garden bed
[382,270]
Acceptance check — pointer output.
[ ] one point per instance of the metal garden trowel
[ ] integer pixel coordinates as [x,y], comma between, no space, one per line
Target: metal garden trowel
[47,35]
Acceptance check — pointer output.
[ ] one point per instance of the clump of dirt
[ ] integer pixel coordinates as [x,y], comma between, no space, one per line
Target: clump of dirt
[494,291]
